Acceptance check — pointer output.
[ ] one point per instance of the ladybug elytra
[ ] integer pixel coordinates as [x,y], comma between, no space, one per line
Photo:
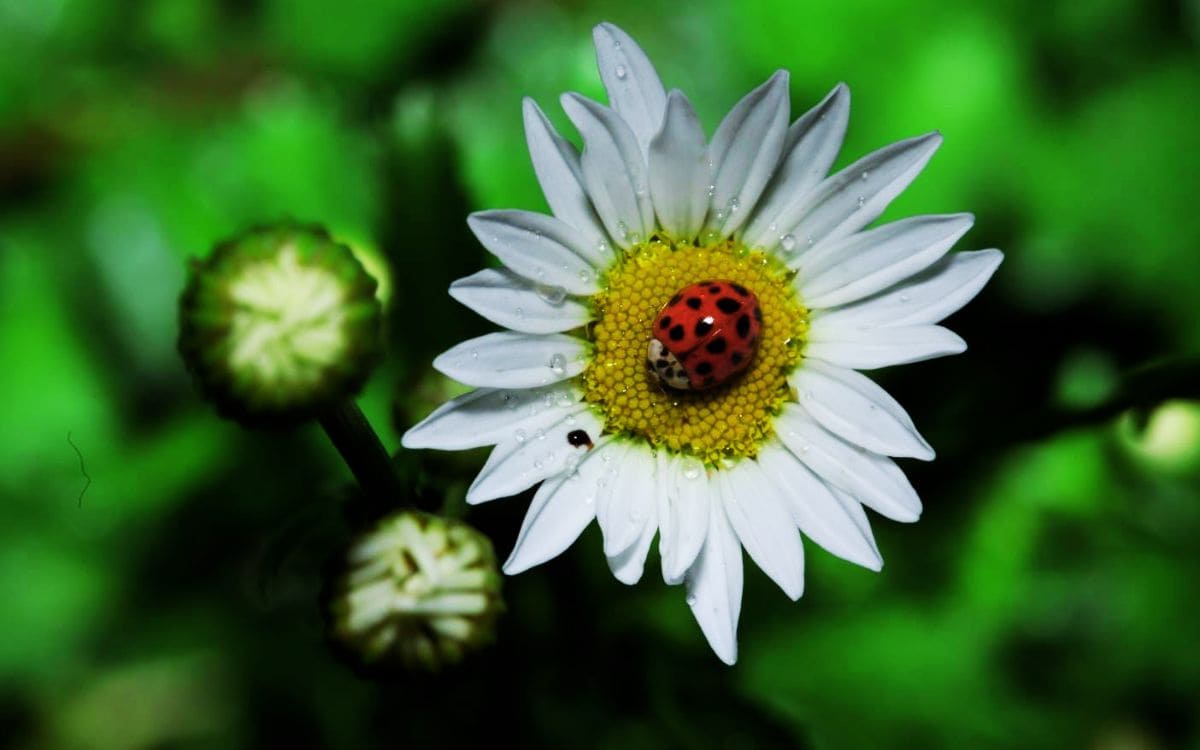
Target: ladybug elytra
[704,335]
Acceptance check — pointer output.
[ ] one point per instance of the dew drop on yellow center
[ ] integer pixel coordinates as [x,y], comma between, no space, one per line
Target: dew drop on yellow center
[728,421]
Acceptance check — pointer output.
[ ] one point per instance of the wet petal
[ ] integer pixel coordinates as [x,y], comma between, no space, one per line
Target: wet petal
[556,164]
[679,170]
[541,248]
[811,145]
[511,301]
[490,415]
[561,509]
[872,479]
[745,151]
[853,407]
[614,170]
[634,89]
[714,585]
[514,360]
[926,298]
[866,262]
[870,348]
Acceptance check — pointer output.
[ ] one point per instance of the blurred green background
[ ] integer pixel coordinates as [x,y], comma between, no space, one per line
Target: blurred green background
[1047,599]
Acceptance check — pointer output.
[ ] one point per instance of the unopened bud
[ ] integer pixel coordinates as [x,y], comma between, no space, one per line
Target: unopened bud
[419,589]
[279,325]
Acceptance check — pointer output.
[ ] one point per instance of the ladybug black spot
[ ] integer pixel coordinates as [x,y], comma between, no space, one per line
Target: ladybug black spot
[743,326]
[703,326]
[676,333]
[728,305]
[715,289]
[740,289]
[665,322]
[737,358]
[694,303]
[704,368]
[758,313]
[716,346]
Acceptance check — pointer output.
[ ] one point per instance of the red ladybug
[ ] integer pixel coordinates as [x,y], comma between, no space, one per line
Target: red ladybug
[704,335]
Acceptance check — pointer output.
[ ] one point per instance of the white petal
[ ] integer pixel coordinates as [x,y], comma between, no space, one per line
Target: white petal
[829,517]
[811,145]
[874,480]
[634,89]
[512,301]
[760,518]
[684,528]
[614,170]
[556,163]
[745,151]
[514,360]
[561,509]
[623,512]
[846,202]
[489,415]
[541,248]
[869,348]
[679,170]
[628,566]
[714,585]
[853,407]
[926,298]
[521,461]
[860,265]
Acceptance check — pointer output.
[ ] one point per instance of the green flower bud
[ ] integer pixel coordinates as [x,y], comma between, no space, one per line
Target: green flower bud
[279,325]
[419,589]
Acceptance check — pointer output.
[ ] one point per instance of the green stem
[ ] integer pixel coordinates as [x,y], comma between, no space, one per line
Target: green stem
[354,438]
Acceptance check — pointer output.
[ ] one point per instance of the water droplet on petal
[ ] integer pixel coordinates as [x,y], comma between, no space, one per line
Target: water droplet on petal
[519,436]
[552,294]
[692,468]
[864,176]
[621,72]
[691,600]
[585,275]
[861,201]
[788,242]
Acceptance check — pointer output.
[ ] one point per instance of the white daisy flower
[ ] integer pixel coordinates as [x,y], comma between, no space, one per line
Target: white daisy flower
[741,428]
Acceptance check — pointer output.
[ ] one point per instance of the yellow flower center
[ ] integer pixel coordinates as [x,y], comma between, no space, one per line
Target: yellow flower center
[728,421]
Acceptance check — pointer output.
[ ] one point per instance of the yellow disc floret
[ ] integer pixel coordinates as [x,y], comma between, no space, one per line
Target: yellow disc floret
[729,421]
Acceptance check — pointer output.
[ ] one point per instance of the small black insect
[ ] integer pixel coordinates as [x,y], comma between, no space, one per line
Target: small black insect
[579,438]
